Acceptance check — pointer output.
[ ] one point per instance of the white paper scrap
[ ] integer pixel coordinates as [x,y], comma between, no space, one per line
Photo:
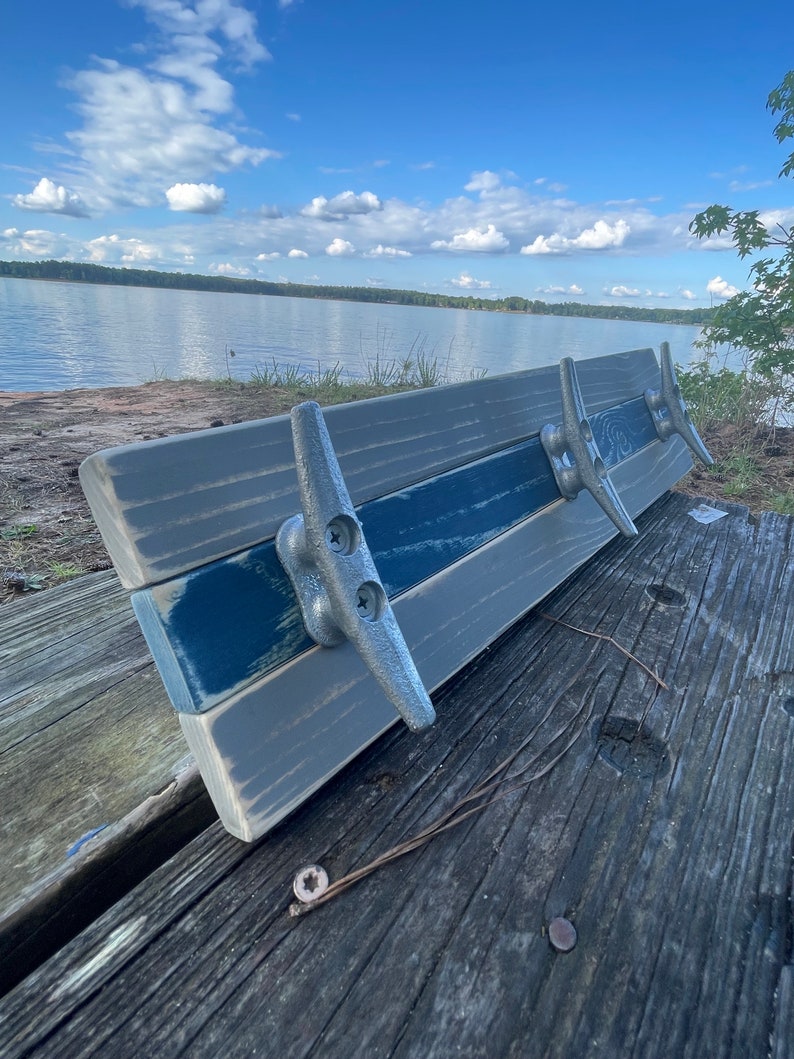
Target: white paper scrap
[705,514]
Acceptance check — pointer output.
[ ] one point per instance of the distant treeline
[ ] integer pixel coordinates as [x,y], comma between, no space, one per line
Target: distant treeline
[77,272]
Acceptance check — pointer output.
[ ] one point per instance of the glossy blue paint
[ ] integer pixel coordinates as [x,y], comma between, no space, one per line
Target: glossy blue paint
[215,629]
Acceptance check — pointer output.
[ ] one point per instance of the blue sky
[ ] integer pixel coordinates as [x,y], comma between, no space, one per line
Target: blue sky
[551,151]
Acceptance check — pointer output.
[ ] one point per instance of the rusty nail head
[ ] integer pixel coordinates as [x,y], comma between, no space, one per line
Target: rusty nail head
[310,883]
[562,934]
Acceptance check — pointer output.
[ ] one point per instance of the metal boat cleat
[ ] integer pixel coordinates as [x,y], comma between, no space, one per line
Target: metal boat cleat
[669,411]
[574,455]
[334,576]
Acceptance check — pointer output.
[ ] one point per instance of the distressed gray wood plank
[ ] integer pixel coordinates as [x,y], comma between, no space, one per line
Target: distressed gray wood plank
[218,628]
[262,751]
[170,505]
[86,729]
[670,851]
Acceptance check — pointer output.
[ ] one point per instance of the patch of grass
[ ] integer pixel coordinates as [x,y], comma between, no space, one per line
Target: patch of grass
[381,375]
[18,532]
[64,571]
[158,374]
[741,473]
[741,417]
[782,503]
[720,395]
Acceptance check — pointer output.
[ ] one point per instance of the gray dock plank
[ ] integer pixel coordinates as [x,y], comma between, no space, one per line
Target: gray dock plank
[88,740]
[668,846]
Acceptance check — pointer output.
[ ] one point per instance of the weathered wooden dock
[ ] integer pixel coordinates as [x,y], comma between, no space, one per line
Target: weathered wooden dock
[658,820]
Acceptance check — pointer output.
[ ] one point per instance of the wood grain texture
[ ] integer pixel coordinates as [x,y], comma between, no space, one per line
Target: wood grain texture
[263,751]
[218,628]
[86,729]
[669,847]
[170,505]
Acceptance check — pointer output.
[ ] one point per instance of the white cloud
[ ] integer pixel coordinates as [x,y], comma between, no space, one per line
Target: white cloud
[573,289]
[343,205]
[720,288]
[550,186]
[48,197]
[292,116]
[268,257]
[33,243]
[227,269]
[140,129]
[386,251]
[467,282]
[297,253]
[479,240]
[171,118]
[194,23]
[195,198]
[601,236]
[113,249]
[484,181]
[340,248]
[623,292]
[689,295]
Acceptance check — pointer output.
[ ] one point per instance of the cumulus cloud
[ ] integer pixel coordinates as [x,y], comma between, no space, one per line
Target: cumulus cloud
[113,248]
[170,118]
[340,248]
[574,289]
[720,288]
[484,181]
[225,268]
[623,292]
[467,282]
[480,240]
[195,198]
[689,295]
[297,253]
[33,243]
[343,205]
[268,257]
[386,251]
[48,197]
[602,236]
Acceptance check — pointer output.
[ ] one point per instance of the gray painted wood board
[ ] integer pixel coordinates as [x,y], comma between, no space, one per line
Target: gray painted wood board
[169,505]
[265,749]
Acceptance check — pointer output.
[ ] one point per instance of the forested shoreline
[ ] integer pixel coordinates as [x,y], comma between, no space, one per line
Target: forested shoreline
[82,272]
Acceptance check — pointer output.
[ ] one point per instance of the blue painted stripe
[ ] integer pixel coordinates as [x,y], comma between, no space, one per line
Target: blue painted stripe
[217,628]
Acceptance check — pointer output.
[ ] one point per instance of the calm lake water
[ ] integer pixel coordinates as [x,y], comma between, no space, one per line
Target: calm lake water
[57,336]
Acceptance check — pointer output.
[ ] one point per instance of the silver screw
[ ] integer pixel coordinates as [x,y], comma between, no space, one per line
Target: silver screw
[310,883]
[342,535]
[370,601]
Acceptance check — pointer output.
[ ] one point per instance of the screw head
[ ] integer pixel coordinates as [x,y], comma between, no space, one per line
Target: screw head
[310,883]
[342,535]
[562,934]
[371,601]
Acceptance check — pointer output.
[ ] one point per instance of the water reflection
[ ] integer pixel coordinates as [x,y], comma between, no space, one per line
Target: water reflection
[57,335]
